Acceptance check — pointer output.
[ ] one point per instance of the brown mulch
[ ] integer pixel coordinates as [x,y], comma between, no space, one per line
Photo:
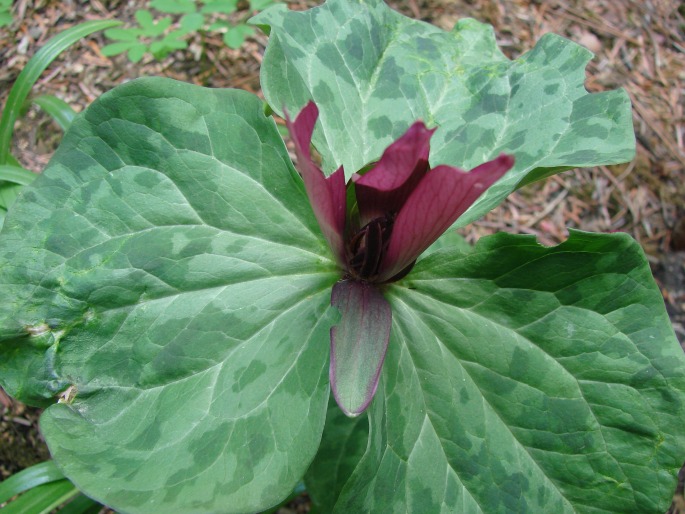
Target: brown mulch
[20,443]
[639,45]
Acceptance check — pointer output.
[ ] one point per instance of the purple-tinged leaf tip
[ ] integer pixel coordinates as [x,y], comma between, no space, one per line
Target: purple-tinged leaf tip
[402,166]
[358,344]
[433,206]
[326,195]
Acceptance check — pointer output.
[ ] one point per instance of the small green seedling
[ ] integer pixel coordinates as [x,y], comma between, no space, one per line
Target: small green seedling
[5,13]
[161,36]
[151,36]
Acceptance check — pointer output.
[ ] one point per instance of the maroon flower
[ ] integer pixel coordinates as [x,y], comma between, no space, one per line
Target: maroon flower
[402,207]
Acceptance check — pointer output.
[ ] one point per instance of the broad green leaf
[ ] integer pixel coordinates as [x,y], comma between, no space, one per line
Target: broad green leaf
[521,378]
[10,189]
[452,239]
[373,72]
[299,490]
[166,277]
[342,446]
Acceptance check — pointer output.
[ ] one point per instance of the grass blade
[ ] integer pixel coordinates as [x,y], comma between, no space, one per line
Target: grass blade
[40,474]
[42,499]
[81,504]
[34,68]
[58,109]
[16,174]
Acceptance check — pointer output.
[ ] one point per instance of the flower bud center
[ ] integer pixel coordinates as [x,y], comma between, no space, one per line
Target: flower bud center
[366,248]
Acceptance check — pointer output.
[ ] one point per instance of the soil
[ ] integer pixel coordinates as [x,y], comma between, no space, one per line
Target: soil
[639,45]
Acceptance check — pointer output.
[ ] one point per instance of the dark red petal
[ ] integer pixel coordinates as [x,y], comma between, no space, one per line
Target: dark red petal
[387,186]
[358,344]
[326,195]
[441,197]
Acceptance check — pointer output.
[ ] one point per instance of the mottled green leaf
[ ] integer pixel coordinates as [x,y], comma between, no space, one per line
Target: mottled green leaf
[167,278]
[452,239]
[521,378]
[9,189]
[342,447]
[373,72]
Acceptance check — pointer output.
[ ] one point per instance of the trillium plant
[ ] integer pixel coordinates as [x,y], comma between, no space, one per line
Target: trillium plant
[397,210]
[210,325]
